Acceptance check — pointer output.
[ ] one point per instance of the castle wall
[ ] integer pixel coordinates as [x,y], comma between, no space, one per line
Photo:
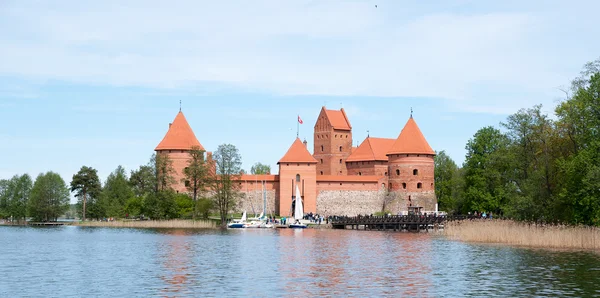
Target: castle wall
[349,202]
[401,171]
[252,202]
[179,159]
[367,168]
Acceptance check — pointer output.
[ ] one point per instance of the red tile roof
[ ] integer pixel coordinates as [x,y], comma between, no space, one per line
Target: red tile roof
[411,141]
[180,136]
[372,149]
[338,119]
[297,153]
[353,178]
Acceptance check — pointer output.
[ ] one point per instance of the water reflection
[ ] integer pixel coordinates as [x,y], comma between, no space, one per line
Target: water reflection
[176,262]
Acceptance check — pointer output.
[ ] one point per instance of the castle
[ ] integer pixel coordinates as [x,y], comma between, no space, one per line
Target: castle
[337,179]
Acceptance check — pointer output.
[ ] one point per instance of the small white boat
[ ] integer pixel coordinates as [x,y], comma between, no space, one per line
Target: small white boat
[298,212]
[238,223]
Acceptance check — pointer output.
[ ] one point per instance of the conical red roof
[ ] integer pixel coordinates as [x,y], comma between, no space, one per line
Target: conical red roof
[180,136]
[372,149]
[411,141]
[297,153]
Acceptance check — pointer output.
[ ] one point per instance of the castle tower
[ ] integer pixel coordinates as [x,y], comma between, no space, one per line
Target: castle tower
[332,142]
[297,167]
[176,144]
[411,169]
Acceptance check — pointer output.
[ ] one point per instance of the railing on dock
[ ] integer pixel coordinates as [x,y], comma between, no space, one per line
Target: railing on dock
[390,222]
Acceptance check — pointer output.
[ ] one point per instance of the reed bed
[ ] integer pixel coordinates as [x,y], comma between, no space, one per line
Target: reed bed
[152,224]
[523,234]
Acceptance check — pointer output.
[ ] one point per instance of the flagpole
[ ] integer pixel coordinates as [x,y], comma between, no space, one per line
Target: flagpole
[298,127]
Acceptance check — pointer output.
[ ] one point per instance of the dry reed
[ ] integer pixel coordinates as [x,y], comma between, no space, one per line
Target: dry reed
[523,234]
[150,224]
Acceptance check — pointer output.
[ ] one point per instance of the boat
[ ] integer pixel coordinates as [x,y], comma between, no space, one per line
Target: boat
[238,223]
[298,212]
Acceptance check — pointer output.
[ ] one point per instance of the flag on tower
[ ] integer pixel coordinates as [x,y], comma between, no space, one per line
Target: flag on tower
[300,120]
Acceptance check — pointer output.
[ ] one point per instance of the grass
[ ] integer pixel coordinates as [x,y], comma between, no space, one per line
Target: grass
[523,234]
[149,224]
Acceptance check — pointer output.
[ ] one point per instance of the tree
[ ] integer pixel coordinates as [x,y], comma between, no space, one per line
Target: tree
[163,171]
[86,184]
[16,195]
[161,205]
[225,185]
[445,172]
[204,207]
[487,167]
[197,174]
[116,192]
[3,198]
[49,197]
[134,206]
[260,169]
[143,181]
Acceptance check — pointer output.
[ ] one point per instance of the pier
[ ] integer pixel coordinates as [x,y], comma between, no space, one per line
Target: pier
[413,223]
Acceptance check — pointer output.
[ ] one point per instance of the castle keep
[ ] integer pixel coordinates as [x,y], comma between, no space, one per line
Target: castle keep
[337,178]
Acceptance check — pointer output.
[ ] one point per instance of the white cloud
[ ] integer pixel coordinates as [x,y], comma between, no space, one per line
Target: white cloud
[300,47]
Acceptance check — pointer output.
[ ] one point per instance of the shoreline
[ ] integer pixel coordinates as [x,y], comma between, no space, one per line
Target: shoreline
[150,224]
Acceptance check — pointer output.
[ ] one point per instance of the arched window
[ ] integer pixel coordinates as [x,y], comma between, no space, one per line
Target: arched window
[321,161]
[321,172]
[386,173]
[397,172]
[359,173]
[340,161]
[322,148]
[390,186]
[403,185]
[297,178]
[415,172]
[340,148]
[419,185]
[336,136]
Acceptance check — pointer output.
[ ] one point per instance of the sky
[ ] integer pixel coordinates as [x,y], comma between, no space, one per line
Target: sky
[96,83]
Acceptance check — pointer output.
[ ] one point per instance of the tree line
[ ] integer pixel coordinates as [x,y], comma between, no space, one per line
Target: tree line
[147,192]
[534,167]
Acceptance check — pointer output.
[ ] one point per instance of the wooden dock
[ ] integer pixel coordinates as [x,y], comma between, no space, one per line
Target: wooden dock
[47,224]
[413,223]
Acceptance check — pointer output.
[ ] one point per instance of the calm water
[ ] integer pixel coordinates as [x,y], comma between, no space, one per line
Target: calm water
[76,261]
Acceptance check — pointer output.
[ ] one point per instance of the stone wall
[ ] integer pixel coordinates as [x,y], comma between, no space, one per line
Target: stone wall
[254,199]
[349,202]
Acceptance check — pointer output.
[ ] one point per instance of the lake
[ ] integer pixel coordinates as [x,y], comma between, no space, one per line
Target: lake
[78,261]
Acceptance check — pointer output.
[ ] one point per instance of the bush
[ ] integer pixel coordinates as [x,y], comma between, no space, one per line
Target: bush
[204,206]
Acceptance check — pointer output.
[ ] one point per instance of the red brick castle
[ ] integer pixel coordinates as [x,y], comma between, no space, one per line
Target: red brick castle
[337,179]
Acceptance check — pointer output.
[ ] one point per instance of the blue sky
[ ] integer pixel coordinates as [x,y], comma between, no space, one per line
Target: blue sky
[97,82]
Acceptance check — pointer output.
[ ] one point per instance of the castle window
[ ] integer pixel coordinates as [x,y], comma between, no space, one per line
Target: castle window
[403,185]
[340,148]
[297,178]
[346,136]
[287,164]
[340,161]
[359,173]
[321,172]
[336,136]
[340,172]
[390,185]
[397,172]
[431,185]
[298,164]
[182,151]
[419,185]
[322,148]
[187,183]
[318,136]
[386,173]
[321,161]
[340,184]
[415,172]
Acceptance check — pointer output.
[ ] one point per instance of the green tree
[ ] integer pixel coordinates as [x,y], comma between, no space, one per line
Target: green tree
[197,175]
[445,172]
[16,195]
[3,198]
[143,180]
[226,183]
[487,170]
[163,171]
[260,169]
[134,206]
[116,192]
[161,205]
[184,205]
[205,206]
[86,186]
[49,197]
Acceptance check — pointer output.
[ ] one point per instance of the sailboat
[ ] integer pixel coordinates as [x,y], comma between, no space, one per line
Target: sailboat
[238,223]
[298,212]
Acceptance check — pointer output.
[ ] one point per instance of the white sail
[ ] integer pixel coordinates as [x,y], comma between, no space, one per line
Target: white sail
[299,211]
[243,217]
